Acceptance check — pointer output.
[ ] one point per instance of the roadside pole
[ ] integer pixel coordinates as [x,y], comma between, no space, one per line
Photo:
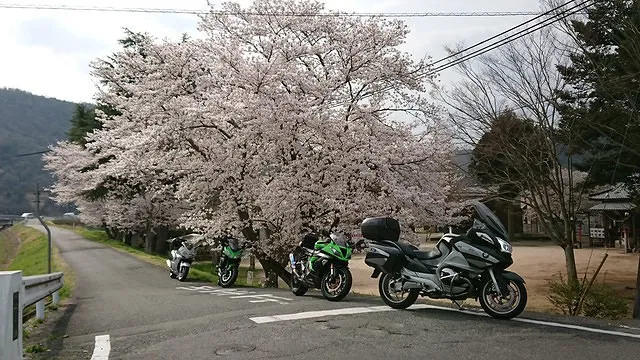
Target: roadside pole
[636,306]
[37,200]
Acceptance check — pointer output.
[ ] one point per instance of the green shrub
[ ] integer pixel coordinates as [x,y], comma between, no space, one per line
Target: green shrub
[601,301]
[564,296]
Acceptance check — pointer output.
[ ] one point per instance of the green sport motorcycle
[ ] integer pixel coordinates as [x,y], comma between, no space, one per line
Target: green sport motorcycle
[229,264]
[322,263]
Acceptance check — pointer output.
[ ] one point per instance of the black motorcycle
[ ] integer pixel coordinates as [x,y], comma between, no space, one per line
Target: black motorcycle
[458,268]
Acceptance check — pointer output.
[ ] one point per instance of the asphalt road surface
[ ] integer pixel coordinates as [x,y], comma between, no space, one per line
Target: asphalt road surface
[124,308]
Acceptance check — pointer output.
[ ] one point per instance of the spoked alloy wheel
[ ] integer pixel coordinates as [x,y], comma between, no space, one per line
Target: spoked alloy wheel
[390,288]
[503,307]
[337,287]
[227,277]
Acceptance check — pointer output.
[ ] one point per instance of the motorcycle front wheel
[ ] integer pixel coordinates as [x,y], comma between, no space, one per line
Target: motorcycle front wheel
[337,287]
[503,307]
[182,275]
[228,276]
[392,295]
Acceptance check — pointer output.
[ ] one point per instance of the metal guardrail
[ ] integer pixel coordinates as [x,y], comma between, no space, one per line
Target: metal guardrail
[17,294]
[38,287]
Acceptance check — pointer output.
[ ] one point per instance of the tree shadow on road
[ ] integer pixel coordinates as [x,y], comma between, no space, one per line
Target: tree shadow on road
[52,334]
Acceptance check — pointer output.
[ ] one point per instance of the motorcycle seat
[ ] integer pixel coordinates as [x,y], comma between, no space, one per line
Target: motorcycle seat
[414,252]
[426,255]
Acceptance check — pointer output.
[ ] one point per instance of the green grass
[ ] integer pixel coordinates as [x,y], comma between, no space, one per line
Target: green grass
[31,258]
[8,246]
[200,271]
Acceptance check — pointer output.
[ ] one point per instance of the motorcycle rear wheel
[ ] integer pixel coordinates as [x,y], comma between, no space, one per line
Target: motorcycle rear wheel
[297,287]
[384,287]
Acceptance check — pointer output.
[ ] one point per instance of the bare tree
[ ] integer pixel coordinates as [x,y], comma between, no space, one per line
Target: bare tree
[604,96]
[505,108]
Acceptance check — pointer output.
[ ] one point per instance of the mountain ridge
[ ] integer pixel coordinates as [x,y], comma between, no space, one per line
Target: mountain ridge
[29,124]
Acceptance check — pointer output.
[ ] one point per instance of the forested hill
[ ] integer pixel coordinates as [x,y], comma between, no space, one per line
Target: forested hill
[28,123]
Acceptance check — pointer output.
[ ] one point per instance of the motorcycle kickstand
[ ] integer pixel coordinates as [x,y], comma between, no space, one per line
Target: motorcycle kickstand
[458,305]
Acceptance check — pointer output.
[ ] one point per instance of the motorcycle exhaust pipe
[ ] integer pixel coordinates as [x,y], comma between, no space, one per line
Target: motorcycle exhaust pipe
[292,260]
[411,285]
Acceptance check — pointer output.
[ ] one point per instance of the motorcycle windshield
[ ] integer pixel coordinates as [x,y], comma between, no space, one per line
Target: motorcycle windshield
[234,244]
[339,239]
[490,220]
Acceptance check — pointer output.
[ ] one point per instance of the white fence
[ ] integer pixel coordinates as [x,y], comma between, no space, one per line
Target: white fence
[16,293]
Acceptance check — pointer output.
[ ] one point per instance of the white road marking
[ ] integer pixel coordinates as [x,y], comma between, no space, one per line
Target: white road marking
[102,348]
[360,310]
[237,294]
[578,327]
[321,313]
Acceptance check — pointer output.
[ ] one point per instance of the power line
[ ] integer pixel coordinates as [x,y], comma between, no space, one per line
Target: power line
[582,6]
[33,153]
[503,33]
[329,14]
[5,157]
[518,35]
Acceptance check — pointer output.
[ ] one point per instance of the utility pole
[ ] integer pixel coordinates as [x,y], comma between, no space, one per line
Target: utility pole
[636,307]
[46,228]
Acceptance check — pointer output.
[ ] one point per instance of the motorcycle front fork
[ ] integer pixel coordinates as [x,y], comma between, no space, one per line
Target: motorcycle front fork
[222,263]
[293,262]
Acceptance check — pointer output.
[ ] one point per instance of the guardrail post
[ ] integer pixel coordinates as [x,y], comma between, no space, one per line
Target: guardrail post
[40,310]
[11,301]
[56,298]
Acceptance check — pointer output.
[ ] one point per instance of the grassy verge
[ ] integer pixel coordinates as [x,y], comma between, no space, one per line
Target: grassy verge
[9,244]
[200,271]
[31,258]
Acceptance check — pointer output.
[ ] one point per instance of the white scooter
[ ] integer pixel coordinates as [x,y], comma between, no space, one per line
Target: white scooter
[181,259]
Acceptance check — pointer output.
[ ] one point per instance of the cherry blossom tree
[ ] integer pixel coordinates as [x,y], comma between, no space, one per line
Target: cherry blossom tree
[275,122]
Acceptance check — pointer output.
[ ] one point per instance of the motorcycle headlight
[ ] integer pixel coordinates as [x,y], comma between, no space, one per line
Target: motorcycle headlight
[505,246]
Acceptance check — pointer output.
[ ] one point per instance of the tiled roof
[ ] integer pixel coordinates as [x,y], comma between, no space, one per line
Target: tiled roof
[618,192]
[613,206]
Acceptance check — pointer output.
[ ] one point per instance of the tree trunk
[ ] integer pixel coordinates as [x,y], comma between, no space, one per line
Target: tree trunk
[510,220]
[570,259]
[127,238]
[149,240]
[636,307]
[120,236]
[110,232]
[273,270]
[135,239]
[161,240]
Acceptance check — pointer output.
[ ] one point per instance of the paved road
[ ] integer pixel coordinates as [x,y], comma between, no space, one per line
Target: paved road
[147,315]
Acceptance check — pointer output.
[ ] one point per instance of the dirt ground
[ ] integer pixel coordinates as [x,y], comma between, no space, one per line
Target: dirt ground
[537,263]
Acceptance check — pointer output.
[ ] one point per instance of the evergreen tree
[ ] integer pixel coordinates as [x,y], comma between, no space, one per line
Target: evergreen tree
[600,105]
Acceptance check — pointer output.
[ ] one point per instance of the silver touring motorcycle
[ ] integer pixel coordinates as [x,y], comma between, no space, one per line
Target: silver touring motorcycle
[460,267]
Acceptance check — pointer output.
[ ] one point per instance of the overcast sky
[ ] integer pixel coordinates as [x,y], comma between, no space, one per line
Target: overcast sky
[47,52]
